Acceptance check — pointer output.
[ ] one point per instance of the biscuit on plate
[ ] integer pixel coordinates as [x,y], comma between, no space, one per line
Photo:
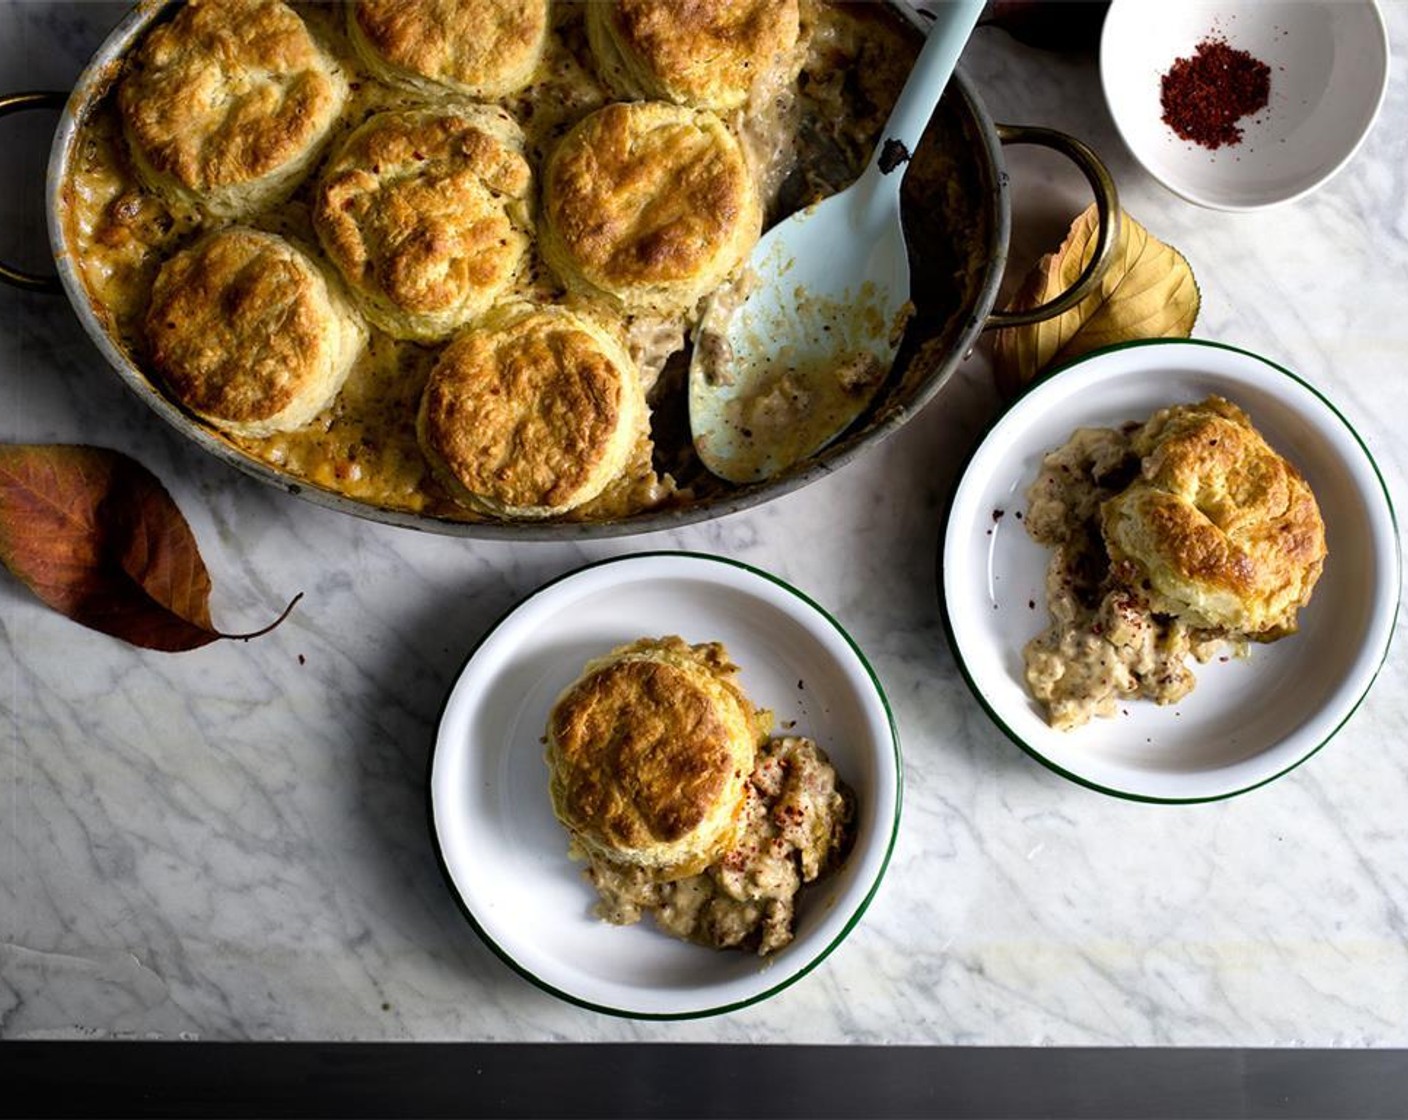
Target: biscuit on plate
[648,205]
[531,412]
[710,54]
[482,49]
[1225,530]
[427,215]
[249,333]
[227,105]
[649,755]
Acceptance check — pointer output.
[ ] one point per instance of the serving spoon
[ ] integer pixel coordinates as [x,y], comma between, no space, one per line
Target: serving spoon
[787,356]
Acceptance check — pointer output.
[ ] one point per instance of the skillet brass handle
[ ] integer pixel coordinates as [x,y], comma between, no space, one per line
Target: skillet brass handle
[1107,208]
[14,103]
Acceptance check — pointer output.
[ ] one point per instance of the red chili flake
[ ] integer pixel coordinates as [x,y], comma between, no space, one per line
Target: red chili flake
[1206,95]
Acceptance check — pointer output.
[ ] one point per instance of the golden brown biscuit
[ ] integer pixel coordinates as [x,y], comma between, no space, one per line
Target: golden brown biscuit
[1226,530]
[483,49]
[531,412]
[426,214]
[710,54]
[648,205]
[249,334]
[649,754]
[227,105]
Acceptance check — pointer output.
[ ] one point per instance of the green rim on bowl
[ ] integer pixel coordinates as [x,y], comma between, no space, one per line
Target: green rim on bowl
[887,816]
[1085,391]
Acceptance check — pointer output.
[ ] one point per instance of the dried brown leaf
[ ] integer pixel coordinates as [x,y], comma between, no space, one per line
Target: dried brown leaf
[1147,292]
[96,536]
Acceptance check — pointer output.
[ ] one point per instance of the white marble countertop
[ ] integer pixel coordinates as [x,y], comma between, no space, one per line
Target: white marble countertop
[232,843]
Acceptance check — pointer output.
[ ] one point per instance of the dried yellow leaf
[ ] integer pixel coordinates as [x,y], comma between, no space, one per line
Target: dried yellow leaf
[1147,292]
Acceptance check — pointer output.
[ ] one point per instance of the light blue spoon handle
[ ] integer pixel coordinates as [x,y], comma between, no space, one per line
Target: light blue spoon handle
[954,21]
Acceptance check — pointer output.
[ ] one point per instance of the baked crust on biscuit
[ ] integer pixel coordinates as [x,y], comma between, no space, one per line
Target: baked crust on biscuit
[249,334]
[532,412]
[709,54]
[649,753]
[1224,528]
[483,49]
[427,215]
[227,106]
[648,205]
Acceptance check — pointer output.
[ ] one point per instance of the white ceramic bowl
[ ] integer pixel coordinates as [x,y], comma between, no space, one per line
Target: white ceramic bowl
[1329,72]
[504,853]
[1248,720]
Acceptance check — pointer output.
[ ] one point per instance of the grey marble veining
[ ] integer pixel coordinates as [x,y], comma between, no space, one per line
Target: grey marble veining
[232,843]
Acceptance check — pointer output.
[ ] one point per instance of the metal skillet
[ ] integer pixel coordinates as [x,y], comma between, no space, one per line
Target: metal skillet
[960,236]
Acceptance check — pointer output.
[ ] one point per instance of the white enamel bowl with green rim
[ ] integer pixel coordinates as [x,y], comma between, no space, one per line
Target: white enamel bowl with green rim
[1247,721]
[1329,63]
[503,852]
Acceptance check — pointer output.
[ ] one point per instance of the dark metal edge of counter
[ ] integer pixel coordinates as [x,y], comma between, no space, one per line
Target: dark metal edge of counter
[666,1080]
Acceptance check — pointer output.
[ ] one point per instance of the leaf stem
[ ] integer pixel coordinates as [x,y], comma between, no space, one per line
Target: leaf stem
[272,626]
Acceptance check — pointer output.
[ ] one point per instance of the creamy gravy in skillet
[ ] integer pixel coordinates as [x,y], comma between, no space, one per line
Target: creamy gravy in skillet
[804,142]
